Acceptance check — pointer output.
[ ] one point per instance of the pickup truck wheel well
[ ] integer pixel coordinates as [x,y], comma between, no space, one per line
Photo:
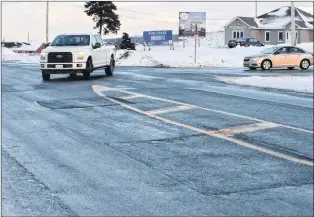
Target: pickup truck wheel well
[90,58]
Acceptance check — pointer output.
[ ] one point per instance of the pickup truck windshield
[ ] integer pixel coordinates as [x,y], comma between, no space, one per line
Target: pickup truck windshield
[71,40]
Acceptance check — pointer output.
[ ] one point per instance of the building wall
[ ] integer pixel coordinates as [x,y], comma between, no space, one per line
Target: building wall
[273,36]
[235,27]
[306,35]
[255,33]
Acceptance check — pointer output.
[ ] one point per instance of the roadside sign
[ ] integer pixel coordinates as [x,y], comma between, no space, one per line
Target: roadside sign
[160,37]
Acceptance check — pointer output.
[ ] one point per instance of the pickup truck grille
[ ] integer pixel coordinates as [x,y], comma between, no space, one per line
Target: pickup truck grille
[60,57]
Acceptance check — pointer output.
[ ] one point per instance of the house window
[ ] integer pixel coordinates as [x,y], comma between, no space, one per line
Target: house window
[267,36]
[237,34]
[280,36]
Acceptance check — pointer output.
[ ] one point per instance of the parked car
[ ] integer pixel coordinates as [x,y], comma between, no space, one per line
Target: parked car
[246,42]
[77,53]
[280,56]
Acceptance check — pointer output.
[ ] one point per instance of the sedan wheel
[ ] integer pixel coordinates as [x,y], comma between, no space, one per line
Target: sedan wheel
[305,64]
[266,65]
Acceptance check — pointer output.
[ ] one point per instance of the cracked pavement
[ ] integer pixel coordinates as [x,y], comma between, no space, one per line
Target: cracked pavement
[69,152]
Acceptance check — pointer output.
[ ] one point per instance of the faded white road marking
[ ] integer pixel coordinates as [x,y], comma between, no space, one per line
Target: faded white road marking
[244,129]
[170,109]
[131,96]
[205,109]
[99,89]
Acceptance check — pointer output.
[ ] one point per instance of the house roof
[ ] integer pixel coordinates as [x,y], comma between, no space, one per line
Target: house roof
[249,20]
[301,24]
[278,19]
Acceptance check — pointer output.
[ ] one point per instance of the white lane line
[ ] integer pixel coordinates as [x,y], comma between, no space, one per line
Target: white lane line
[98,90]
[131,96]
[170,109]
[244,129]
[205,109]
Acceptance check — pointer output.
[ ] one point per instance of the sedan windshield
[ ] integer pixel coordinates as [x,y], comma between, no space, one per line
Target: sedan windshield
[71,40]
[269,50]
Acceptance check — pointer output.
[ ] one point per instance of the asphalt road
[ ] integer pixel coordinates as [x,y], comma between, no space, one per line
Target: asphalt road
[76,147]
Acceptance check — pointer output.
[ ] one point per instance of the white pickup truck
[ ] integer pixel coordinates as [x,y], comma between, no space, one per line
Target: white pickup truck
[77,53]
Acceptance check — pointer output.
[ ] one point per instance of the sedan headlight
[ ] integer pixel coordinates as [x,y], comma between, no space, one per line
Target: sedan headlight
[43,55]
[79,56]
[255,59]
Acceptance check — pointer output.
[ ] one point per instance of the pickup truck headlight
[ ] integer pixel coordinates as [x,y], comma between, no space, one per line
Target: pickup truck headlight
[43,56]
[79,56]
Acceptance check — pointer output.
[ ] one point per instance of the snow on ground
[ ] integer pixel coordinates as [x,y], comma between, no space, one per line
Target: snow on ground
[7,55]
[209,54]
[294,83]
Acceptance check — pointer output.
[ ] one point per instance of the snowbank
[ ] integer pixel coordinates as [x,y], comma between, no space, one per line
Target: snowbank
[9,56]
[7,52]
[294,83]
[208,55]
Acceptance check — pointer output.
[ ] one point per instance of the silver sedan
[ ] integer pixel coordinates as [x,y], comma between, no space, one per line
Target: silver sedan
[280,56]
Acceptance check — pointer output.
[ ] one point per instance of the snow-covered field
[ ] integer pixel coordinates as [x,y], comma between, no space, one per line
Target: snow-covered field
[7,55]
[211,53]
[294,83]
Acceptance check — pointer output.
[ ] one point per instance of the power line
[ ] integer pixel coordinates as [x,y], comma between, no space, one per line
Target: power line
[152,14]
[140,12]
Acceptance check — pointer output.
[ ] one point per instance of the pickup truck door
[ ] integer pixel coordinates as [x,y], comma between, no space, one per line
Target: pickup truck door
[103,59]
[96,53]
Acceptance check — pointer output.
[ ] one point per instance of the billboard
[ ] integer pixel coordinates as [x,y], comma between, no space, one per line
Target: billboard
[188,21]
[160,37]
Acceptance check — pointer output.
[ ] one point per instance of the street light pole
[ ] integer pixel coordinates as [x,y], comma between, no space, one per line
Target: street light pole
[195,39]
[293,24]
[47,11]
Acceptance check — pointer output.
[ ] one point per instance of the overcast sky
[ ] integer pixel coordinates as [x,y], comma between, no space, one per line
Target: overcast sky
[21,18]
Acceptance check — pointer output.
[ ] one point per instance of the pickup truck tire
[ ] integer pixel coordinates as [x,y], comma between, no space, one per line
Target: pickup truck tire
[88,70]
[109,69]
[45,76]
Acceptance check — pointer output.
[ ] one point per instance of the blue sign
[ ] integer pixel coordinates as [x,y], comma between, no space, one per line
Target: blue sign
[161,37]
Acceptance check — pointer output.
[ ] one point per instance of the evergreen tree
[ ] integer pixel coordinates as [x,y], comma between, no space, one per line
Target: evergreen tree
[104,16]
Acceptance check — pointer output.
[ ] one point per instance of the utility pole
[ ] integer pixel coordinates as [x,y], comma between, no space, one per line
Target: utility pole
[293,24]
[255,9]
[47,11]
[195,39]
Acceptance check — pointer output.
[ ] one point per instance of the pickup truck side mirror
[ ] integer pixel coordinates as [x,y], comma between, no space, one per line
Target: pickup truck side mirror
[97,45]
[276,53]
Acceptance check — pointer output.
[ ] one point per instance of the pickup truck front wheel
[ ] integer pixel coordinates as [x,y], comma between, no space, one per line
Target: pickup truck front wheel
[109,69]
[45,76]
[88,70]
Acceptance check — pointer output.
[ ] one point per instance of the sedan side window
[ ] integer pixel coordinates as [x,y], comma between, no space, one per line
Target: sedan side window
[295,50]
[283,50]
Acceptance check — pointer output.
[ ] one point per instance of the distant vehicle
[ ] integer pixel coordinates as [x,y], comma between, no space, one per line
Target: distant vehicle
[246,42]
[280,56]
[77,53]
